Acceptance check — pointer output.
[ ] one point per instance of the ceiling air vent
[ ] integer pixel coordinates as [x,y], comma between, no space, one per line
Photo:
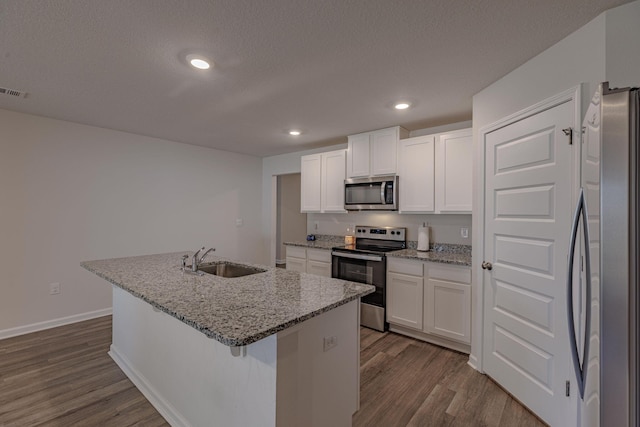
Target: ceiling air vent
[13,92]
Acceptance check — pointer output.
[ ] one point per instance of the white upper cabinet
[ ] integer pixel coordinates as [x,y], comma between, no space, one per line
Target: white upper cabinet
[333,174]
[310,182]
[435,173]
[358,155]
[384,149]
[416,172]
[322,182]
[374,153]
[453,164]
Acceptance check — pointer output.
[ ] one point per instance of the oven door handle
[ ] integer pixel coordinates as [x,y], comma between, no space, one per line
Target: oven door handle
[357,256]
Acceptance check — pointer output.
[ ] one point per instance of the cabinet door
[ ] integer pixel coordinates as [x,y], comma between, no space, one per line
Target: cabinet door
[404,300]
[416,172]
[333,174]
[319,268]
[297,264]
[310,183]
[447,306]
[453,172]
[358,156]
[384,149]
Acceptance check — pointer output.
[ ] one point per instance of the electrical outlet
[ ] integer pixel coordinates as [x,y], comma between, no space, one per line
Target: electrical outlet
[330,342]
[464,232]
[54,288]
[239,222]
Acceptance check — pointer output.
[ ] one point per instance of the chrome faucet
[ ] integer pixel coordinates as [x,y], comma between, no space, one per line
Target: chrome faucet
[195,262]
[205,254]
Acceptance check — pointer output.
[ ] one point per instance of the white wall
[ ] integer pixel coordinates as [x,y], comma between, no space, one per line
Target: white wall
[576,59]
[623,46]
[72,192]
[444,228]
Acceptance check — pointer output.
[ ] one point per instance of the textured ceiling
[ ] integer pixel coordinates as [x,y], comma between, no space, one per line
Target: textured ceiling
[329,67]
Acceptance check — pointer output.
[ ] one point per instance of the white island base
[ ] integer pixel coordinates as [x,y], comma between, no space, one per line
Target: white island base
[286,379]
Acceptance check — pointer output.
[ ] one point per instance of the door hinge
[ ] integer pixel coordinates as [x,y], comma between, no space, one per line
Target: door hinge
[567,390]
[569,133]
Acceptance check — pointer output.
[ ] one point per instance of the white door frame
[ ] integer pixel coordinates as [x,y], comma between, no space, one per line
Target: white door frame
[478,255]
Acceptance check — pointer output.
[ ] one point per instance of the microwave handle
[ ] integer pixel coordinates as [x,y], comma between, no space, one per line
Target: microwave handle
[382,196]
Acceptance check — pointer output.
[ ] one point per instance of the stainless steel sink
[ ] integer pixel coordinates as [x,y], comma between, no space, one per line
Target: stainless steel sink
[229,269]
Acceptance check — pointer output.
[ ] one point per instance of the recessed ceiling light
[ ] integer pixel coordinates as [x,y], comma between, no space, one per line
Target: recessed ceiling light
[294,132]
[402,106]
[198,62]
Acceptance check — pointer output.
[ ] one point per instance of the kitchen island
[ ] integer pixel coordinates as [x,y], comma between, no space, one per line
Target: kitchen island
[273,348]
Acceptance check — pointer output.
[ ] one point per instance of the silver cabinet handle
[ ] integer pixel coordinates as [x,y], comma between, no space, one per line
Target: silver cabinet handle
[580,368]
[487,265]
[357,256]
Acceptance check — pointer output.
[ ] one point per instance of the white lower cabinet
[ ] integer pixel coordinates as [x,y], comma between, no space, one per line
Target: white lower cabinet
[447,302]
[296,259]
[404,300]
[312,261]
[297,264]
[430,301]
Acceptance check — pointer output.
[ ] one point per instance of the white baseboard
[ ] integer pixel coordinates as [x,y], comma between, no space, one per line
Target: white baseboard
[473,362]
[168,412]
[54,323]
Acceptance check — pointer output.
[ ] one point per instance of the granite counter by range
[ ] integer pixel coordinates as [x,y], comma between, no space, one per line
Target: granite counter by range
[454,258]
[442,253]
[265,329]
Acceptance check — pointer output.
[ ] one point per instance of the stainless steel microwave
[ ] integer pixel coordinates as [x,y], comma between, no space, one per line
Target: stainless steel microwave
[378,193]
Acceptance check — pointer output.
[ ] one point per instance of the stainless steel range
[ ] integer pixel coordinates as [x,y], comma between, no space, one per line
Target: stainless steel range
[365,262]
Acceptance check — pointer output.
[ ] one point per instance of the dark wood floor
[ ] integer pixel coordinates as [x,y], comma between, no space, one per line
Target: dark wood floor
[406,382]
[64,377]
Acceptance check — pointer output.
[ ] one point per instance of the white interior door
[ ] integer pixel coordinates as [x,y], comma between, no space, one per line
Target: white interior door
[528,213]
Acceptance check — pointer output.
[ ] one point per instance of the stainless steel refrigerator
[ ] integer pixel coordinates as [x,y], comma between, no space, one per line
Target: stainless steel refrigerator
[604,262]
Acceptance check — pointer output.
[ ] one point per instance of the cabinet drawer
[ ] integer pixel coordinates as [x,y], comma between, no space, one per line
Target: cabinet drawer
[297,264]
[319,268]
[296,251]
[405,266]
[451,274]
[319,255]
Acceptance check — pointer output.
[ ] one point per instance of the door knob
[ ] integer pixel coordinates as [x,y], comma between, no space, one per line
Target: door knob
[487,265]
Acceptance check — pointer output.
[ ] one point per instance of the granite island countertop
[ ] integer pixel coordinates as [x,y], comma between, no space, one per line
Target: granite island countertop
[234,311]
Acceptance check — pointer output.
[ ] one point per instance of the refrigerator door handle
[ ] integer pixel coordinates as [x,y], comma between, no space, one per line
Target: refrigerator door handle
[587,294]
[578,367]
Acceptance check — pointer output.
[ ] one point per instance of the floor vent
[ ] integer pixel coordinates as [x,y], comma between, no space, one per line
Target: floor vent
[13,92]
